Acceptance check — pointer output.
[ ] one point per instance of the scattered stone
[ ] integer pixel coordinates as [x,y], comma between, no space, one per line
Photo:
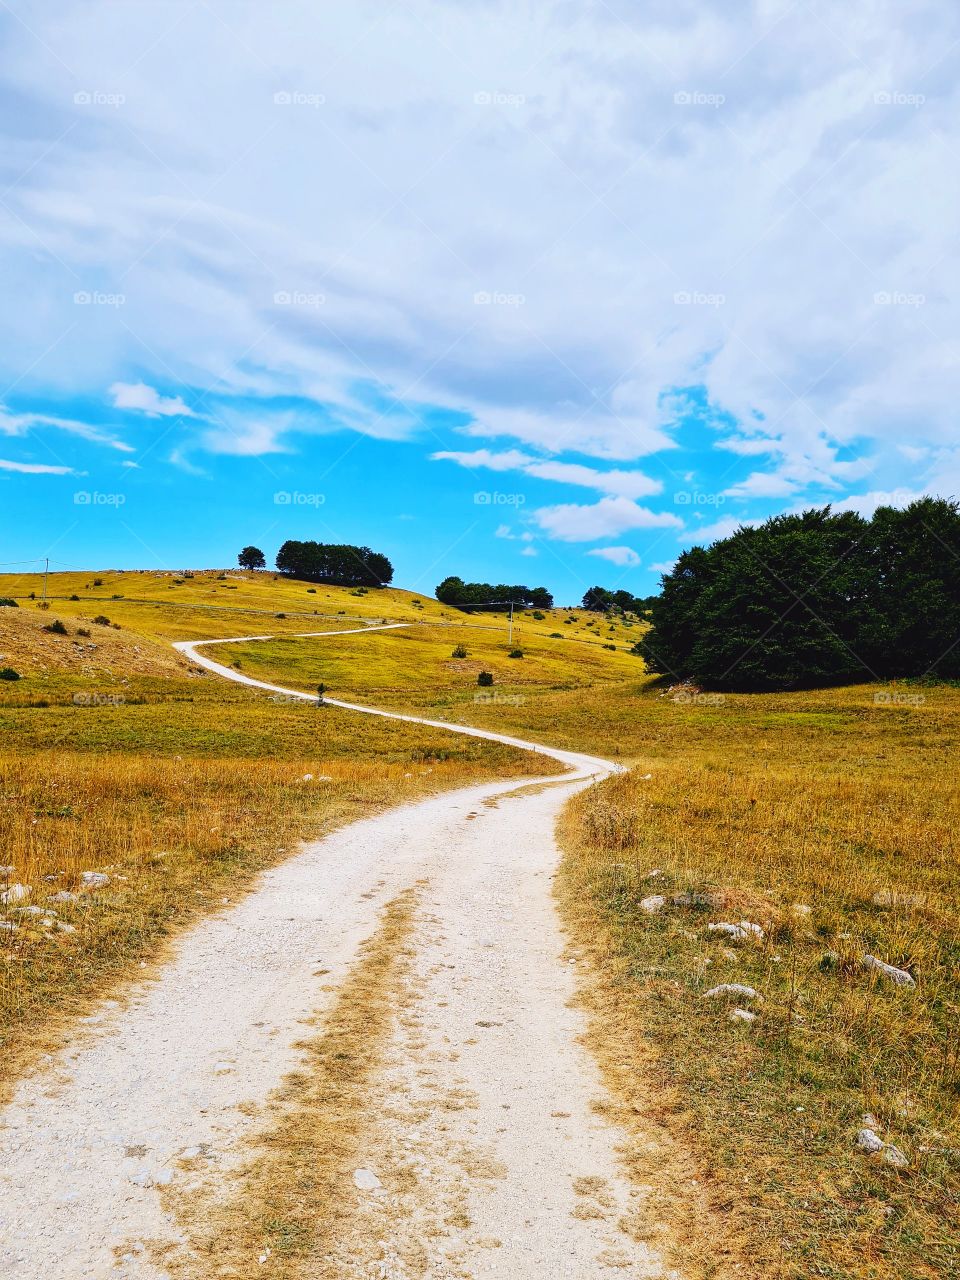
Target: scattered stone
[190,1153]
[163,1178]
[652,875]
[91,881]
[656,902]
[7,926]
[742,1015]
[64,895]
[7,872]
[16,893]
[894,1156]
[731,930]
[899,977]
[801,909]
[222,1068]
[754,929]
[731,989]
[30,911]
[142,1178]
[366,1180]
[308,777]
[63,927]
[868,1141]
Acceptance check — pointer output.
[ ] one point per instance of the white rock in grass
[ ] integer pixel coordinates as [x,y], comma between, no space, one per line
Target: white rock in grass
[868,1141]
[656,902]
[93,880]
[730,930]
[64,895]
[753,929]
[742,1015]
[801,909]
[894,1156]
[7,926]
[63,927]
[31,911]
[366,1180]
[7,872]
[899,977]
[16,893]
[731,989]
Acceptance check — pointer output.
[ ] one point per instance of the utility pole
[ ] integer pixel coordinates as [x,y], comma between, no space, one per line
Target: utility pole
[46,570]
[511,624]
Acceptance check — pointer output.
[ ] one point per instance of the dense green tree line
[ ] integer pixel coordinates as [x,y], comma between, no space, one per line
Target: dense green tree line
[816,598]
[600,600]
[460,594]
[337,563]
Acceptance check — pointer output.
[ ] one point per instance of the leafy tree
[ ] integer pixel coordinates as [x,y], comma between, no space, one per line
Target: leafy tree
[337,563]
[813,599]
[252,558]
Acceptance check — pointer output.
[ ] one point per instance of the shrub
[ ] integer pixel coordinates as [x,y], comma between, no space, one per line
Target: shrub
[311,591]
[101,620]
[8,673]
[74,597]
[56,628]
[556,635]
[485,679]
[515,653]
[82,631]
[538,615]
[7,602]
[610,646]
[459,652]
[98,582]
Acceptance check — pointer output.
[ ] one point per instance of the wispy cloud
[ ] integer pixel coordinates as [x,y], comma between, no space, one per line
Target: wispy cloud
[34,468]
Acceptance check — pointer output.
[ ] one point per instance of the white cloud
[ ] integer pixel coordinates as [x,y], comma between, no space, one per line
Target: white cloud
[247,437]
[866,503]
[662,566]
[722,528]
[34,468]
[791,248]
[529,551]
[627,484]
[19,424]
[143,399]
[624,556]
[570,522]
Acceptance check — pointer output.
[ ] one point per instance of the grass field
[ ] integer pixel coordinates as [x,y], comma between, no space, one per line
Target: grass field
[177,786]
[826,817]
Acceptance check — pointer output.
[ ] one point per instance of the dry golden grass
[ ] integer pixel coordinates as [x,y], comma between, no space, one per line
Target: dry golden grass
[835,853]
[282,1212]
[180,791]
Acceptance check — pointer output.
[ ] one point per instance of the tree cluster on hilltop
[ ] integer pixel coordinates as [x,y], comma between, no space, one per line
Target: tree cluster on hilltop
[340,564]
[600,600]
[454,591]
[813,599]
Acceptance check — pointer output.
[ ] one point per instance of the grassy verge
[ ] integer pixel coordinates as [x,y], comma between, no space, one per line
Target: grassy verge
[836,850]
[179,791]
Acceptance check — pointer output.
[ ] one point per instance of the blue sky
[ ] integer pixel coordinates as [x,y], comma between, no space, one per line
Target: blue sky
[535,293]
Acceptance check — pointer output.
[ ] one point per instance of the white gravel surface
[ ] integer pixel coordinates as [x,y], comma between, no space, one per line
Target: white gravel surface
[90,1139]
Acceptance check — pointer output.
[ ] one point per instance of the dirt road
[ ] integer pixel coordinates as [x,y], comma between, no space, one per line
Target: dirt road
[482,1127]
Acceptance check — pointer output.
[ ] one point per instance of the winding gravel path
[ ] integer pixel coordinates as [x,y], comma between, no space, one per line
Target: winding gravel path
[90,1140]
